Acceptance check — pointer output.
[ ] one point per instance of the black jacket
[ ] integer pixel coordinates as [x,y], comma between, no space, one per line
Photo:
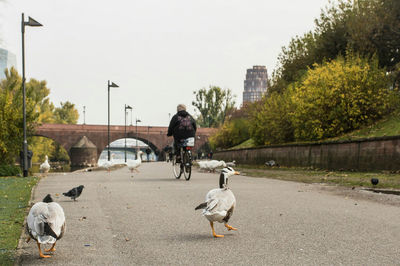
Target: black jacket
[173,129]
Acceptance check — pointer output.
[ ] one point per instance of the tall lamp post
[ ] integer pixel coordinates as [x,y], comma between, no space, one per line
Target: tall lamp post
[127,107]
[84,115]
[137,120]
[109,85]
[32,23]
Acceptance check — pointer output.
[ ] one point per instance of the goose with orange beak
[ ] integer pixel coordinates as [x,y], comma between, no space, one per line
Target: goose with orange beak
[220,202]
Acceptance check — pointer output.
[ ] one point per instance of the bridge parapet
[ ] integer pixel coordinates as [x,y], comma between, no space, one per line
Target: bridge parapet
[156,136]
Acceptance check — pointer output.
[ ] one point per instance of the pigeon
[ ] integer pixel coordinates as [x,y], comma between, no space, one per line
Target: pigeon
[374,181]
[74,193]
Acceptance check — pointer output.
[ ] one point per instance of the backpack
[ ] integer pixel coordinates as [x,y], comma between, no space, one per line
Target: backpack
[185,123]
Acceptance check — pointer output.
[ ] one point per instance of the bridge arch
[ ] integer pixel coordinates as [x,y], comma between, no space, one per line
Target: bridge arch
[69,135]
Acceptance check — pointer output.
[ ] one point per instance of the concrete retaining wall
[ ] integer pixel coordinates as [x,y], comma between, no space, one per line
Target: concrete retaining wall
[366,154]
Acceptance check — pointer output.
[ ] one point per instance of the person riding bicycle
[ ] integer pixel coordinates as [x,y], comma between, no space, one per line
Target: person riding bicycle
[182,126]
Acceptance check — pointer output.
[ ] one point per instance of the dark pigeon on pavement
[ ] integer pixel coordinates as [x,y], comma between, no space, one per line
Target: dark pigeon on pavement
[74,193]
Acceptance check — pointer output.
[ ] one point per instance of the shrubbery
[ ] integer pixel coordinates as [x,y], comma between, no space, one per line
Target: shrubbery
[333,98]
[340,96]
[9,170]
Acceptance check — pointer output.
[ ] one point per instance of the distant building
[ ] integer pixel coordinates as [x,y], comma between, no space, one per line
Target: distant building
[255,84]
[7,60]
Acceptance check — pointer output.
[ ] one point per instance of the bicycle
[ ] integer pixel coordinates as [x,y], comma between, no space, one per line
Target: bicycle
[185,165]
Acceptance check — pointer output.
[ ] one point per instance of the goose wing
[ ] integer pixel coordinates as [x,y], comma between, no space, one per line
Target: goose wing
[219,202]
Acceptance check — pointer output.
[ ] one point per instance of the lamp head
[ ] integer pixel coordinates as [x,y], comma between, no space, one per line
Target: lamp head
[112,85]
[33,23]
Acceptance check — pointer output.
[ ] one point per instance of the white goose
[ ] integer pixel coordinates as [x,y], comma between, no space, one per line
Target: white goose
[211,165]
[46,223]
[220,202]
[45,167]
[108,164]
[134,164]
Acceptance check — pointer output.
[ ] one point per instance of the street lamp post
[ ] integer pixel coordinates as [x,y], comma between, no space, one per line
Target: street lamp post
[126,108]
[84,115]
[137,120]
[33,23]
[112,85]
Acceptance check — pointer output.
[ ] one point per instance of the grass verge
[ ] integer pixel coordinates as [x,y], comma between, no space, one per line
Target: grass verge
[350,179]
[15,193]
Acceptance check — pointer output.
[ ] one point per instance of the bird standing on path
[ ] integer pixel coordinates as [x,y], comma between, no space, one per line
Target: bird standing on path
[134,164]
[220,202]
[211,165]
[74,193]
[45,224]
[45,166]
[108,164]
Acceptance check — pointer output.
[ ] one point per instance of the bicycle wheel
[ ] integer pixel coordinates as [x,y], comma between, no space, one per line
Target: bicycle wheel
[187,161]
[176,167]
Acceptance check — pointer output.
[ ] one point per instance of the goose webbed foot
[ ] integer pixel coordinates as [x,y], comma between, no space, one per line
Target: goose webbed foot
[230,227]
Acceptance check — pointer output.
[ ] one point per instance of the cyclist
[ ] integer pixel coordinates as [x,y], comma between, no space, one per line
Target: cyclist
[182,126]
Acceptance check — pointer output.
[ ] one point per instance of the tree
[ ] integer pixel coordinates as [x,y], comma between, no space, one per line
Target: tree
[66,113]
[11,120]
[367,27]
[214,105]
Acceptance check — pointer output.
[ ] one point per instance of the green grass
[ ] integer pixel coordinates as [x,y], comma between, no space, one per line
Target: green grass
[246,144]
[389,126]
[15,193]
[348,179]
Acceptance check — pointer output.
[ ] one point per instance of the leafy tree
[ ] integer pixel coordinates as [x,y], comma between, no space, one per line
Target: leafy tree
[214,105]
[11,120]
[234,131]
[367,27]
[66,113]
[340,96]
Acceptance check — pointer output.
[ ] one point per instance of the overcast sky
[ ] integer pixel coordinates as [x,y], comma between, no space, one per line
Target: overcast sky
[157,51]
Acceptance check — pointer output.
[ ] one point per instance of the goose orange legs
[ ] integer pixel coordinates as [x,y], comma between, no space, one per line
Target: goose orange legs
[214,234]
[40,252]
[52,248]
[230,227]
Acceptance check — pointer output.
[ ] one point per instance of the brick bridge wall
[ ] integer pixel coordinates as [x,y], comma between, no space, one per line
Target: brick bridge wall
[365,155]
[68,135]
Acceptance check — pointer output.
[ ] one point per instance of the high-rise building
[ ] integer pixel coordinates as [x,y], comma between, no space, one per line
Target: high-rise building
[7,60]
[255,84]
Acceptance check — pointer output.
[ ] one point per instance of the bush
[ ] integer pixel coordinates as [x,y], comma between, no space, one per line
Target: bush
[340,96]
[270,121]
[9,170]
[232,133]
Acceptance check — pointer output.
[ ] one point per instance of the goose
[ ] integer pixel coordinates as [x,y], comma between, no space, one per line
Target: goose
[220,202]
[134,164]
[231,164]
[46,224]
[108,164]
[45,167]
[211,165]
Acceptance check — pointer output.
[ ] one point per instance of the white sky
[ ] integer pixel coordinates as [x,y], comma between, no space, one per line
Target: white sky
[157,51]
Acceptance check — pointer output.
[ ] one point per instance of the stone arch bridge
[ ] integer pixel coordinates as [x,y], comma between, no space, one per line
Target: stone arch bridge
[156,136]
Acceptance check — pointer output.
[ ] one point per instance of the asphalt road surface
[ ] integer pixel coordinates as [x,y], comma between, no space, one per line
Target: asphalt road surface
[150,220]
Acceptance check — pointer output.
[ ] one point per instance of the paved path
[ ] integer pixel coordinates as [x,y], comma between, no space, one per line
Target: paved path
[150,220]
